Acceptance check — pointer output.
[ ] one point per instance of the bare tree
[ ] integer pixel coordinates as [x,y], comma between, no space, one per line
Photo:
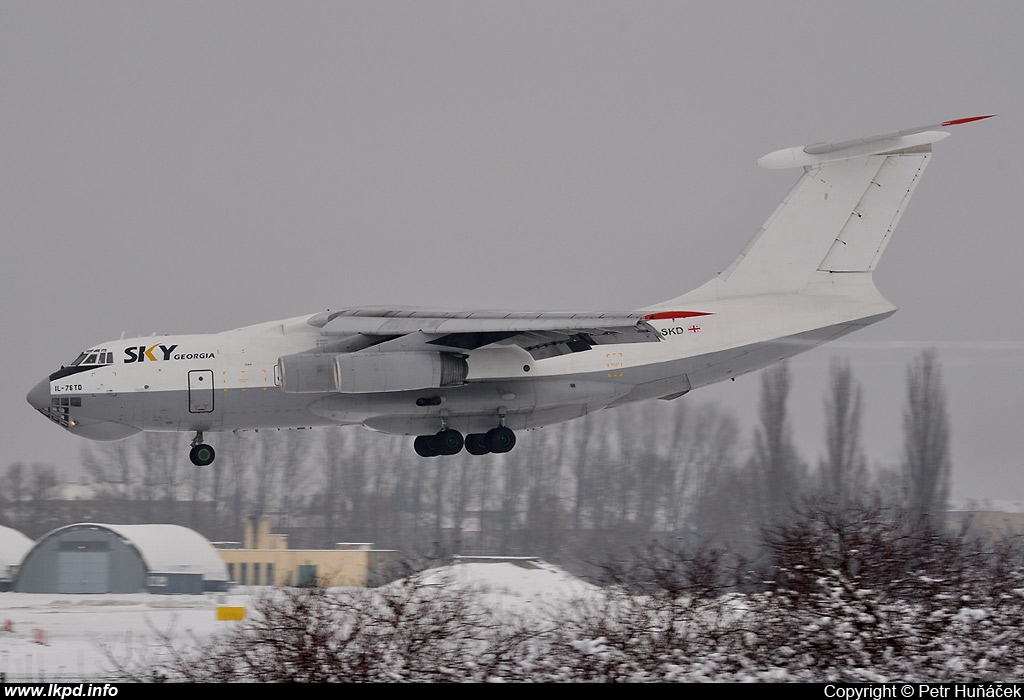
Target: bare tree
[645,479]
[284,456]
[114,471]
[42,488]
[926,462]
[775,461]
[843,471]
[195,480]
[706,445]
[264,471]
[388,472]
[601,474]
[440,475]
[513,495]
[335,502]
[347,494]
[411,489]
[584,434]
[543,522]
[468,474]
[162,457]
[14,490]
[237,457]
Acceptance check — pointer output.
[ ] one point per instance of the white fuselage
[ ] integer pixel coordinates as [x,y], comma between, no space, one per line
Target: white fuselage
[230,380]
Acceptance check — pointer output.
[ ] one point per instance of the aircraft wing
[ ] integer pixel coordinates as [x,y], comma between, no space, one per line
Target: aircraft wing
[541,333]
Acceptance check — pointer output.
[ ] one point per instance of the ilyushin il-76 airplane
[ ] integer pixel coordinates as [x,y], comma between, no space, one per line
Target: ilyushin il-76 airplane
[470,379]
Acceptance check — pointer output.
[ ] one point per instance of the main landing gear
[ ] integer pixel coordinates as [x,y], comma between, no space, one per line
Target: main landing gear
[450,442]
[201,454]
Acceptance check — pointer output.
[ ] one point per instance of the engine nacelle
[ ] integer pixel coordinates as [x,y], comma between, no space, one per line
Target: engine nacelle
[307,373]
[359,373]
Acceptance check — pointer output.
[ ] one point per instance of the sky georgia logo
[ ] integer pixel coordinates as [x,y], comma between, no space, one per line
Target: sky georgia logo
[155,353]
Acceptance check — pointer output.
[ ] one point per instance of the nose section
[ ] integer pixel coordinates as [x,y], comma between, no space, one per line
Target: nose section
[68,413]
[39,396]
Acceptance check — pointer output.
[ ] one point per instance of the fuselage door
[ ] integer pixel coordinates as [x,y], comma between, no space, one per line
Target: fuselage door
[200,391]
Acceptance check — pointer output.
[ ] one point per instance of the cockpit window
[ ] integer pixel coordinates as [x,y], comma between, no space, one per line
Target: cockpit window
[93,357]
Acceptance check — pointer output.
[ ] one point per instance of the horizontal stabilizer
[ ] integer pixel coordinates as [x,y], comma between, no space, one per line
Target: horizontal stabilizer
[819,153]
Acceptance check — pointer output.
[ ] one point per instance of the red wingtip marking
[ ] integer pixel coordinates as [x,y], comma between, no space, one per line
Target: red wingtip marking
[954,122]
[675,314]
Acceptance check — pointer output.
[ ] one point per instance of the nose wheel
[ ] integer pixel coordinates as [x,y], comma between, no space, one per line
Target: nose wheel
[201,454]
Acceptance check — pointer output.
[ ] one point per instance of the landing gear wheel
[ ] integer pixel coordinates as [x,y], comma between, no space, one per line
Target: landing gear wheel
[476,444]
[201,455]
[501,439]
[426,445]
[449,442]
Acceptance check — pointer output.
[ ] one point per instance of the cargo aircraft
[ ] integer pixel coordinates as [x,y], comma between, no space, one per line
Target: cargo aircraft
[470,379]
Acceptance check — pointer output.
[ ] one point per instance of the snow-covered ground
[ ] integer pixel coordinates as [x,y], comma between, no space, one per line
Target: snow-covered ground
[82,637]
[48,636]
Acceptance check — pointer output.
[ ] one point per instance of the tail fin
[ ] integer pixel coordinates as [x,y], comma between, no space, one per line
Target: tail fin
[837,219]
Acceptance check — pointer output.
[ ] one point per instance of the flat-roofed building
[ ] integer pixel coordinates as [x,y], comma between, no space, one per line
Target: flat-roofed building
[265,560]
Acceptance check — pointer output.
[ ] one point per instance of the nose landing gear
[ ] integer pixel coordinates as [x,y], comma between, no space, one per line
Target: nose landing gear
[201,454]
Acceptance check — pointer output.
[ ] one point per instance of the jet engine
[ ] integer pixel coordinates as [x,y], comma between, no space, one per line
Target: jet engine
[359,373]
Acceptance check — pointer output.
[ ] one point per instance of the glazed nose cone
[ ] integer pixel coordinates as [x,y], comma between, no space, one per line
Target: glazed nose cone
[39,396]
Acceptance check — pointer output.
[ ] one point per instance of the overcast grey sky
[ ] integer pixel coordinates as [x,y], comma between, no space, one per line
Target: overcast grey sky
[198,166]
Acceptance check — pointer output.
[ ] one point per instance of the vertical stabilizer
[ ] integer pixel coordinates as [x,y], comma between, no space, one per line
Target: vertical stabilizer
[837,219]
